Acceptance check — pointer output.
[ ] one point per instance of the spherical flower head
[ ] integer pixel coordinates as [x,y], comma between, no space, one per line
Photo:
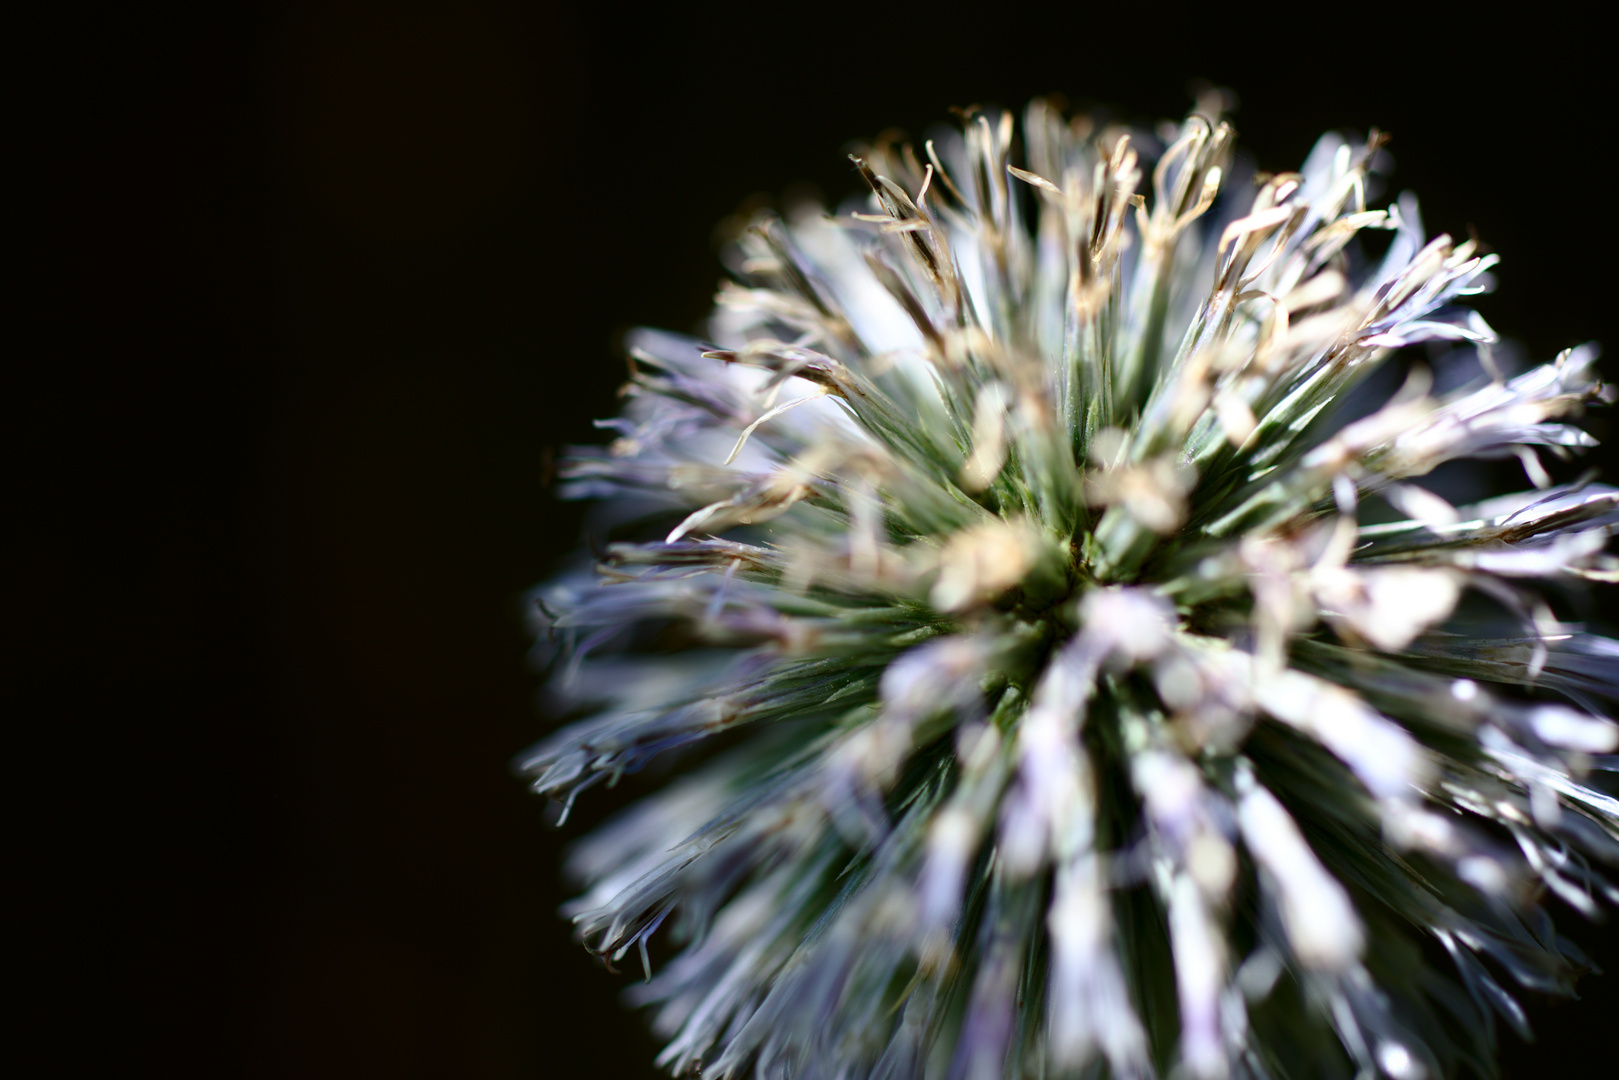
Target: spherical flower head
[1068,670]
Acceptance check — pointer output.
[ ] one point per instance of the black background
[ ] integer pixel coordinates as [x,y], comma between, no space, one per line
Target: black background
[335,279]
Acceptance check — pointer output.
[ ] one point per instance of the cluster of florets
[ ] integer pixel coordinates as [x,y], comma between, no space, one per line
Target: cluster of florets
[1068,680]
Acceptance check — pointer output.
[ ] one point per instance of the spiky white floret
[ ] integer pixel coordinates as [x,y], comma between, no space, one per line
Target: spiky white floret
[998,566]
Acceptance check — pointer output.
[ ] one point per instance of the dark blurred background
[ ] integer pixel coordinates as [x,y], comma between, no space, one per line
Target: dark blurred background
[338,280]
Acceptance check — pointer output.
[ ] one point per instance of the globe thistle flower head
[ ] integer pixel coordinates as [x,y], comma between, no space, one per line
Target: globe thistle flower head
[1069,671]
